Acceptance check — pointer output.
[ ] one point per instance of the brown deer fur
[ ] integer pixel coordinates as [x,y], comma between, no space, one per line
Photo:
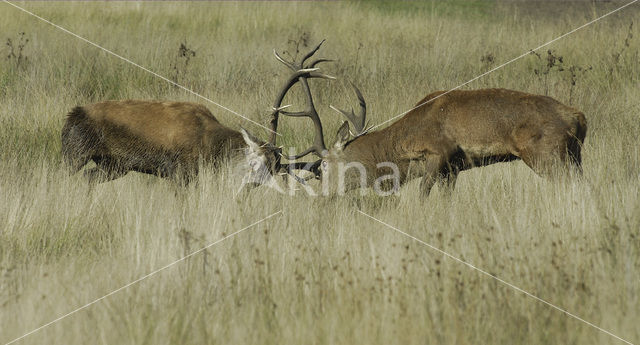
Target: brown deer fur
[152,137]
[465,129]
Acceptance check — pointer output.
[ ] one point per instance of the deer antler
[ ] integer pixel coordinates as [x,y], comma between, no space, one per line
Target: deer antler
[301,73]
[357,121]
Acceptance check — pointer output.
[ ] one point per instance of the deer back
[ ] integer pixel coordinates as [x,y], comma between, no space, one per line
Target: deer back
[481,123]
[144,135]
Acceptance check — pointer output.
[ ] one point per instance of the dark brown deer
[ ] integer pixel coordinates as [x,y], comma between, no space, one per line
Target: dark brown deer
[153,137]
[448,133]
[168,139]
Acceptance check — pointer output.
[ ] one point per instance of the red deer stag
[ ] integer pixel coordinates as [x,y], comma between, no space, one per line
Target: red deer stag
[153,137]
[457,131]
[164,138]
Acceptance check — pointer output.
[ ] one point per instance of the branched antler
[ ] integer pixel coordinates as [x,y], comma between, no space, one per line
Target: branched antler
[301,73]
[359,122]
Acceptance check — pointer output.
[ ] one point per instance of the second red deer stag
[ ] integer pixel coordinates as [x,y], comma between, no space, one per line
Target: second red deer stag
[455,131]
[167,139]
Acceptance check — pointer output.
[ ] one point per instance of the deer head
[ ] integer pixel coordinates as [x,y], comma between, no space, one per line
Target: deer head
[262,161]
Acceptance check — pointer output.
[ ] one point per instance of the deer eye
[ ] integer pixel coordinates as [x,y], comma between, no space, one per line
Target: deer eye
[324,164]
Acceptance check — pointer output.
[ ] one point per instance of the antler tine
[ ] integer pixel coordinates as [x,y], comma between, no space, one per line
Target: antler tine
[321,76]
[357,121]
[291,65]
[308,166]
[362,115]
[296,66]
[310,54]
[363,104]
[312,167]
[351,116]
[317,61]
[301,154]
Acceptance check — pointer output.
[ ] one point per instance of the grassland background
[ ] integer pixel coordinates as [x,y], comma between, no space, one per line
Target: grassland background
[319,272]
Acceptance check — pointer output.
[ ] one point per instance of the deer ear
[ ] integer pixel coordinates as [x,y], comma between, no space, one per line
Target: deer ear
[253,142]
[343,135]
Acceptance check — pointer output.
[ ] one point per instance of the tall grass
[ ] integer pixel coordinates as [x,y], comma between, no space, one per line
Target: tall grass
[319,272]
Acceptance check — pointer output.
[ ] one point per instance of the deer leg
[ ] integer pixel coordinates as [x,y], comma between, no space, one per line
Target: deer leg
[449,172]
[546,158]
[76,151]
[426,183]
[75,154]
[447,181]
[98,175]
[76,163]
[431,174]
[104,171]
[183,174]
[575,157]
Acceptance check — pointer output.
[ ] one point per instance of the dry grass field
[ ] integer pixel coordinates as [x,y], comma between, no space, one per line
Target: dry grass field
[319,271]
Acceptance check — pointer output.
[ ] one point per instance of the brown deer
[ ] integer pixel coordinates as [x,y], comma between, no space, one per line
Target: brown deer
[168,139]
[153,137]
[449,132]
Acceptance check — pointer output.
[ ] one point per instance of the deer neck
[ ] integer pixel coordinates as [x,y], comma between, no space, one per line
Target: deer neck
[371,149]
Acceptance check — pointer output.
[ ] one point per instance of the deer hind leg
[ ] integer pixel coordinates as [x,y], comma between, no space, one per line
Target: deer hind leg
[548,157]
[75,151]
[80,141]
[105,170]
[576,136]
[574,148]
[447,180]
[450,170]
[97,175]
[75,162]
